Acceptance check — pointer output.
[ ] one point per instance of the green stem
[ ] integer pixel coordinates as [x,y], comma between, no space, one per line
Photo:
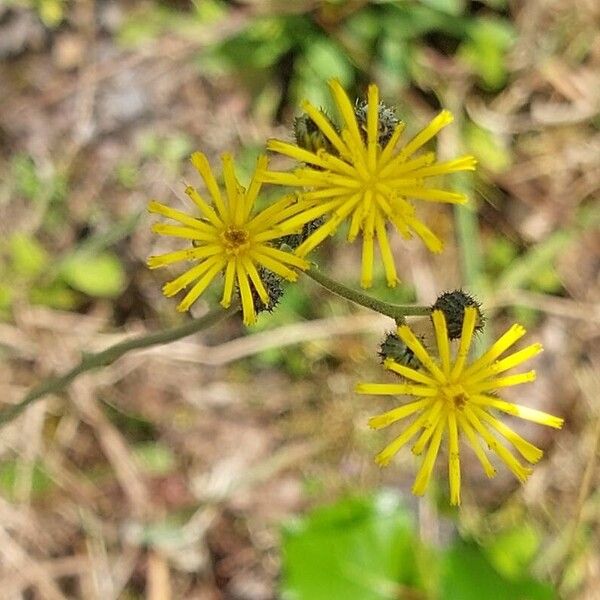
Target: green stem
[398,312]
[89,362]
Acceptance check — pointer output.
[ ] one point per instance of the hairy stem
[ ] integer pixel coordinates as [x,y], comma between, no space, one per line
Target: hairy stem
[106,357]
[398,312]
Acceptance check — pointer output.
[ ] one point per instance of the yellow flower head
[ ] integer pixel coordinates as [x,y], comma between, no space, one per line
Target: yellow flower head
[227,238]
[457,397]
[354,176]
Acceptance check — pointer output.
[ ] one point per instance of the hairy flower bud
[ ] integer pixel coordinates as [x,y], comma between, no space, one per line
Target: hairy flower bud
[293,240]
[453,305]
[274,286]
[308,135]
[393,347]
[386,123]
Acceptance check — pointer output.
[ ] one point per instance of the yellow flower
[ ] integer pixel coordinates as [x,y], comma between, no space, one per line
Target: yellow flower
[365,181]
[456,398]
[226,238]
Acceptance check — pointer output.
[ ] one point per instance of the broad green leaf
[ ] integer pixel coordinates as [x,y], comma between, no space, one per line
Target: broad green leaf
[99,275]
[358,548]
[468,575]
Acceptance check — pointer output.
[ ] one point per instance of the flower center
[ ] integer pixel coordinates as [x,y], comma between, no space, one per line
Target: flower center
[455,395]
[235,240]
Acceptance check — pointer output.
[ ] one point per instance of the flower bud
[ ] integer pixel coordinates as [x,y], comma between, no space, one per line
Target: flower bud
[453,305]
[273,285]
[308,135]
[387,120]
[393,347]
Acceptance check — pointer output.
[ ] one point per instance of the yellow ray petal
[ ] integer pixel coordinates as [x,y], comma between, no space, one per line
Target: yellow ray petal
[509,362]
[400,166]
[347,111]
[293,151]
[505,341]
[321,121]
[254,187]
[424,474]
[228,286]
[476,446]
[385,456]
[202,165]
[248,310]
[441,336]
[177,215]
[527,450]
[434,195]
[184,232]
[256,281]
[273,265]
[466,337]
[162,260]
[518,470]
[366,273]
[409,373]
[388,152]
[207,211]
[429,131]
[235,202]
[408,337]
[395,389]
[372,125]
[434,414]
[500,382]
[173,287]
[200,286]
[386,252]
[464,163]
[454,459]
[396,414]
[517,410]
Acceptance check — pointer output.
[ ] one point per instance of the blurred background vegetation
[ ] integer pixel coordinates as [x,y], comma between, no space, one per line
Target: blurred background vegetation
[238,465]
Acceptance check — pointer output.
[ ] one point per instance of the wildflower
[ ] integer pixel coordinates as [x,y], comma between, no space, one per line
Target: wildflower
[359,173]
[227,238]
[456,397]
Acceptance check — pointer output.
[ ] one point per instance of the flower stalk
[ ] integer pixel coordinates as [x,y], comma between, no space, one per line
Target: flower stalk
[398,312]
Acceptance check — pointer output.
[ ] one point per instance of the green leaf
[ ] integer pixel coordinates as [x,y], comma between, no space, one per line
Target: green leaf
[321,60]
[99,275]
[28,256]
[358,548]
[55,295]
[51,12]
[511,551]
[468,575]
[452,7]
[490,40]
